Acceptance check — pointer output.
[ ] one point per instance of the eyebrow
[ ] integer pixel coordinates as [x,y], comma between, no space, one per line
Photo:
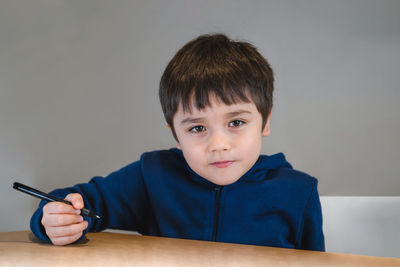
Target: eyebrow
[192,120]
[228,115]
[238,112]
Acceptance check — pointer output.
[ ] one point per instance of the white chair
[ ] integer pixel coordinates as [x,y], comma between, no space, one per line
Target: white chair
[362,225]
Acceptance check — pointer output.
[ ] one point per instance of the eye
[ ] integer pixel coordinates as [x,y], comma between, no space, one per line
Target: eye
[236,123]
[197,129]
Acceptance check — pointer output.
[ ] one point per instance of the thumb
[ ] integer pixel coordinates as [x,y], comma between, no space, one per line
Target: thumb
[76,200]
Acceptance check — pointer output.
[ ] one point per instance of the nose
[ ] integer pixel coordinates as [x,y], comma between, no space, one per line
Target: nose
[219,141]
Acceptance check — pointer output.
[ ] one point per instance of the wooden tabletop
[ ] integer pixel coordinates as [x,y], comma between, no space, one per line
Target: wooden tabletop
[114,249]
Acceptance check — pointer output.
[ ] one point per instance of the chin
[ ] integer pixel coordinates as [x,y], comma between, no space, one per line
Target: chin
[224,181]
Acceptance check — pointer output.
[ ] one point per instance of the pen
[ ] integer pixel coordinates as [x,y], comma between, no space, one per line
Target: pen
[36,193]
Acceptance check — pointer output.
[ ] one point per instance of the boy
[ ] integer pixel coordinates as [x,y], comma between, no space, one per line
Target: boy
[216,95]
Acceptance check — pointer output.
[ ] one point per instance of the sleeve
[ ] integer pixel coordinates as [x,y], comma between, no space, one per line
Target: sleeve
[120,199]
[311,236]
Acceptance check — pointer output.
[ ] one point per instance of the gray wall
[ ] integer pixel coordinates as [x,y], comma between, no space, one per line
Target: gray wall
[79,82]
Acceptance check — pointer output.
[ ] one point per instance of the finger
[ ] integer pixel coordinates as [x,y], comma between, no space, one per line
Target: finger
[76,200]
[60,231]
[61,219]
[65,240]
[59,207]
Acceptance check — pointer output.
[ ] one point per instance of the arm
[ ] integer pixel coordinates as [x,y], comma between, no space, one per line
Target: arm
[310,234]
[119,199]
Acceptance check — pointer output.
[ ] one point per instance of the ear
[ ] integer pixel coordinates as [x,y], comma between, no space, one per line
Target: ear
[177,144]
[267,129]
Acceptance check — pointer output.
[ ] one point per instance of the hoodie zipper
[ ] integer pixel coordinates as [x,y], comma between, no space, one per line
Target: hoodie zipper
[216,211]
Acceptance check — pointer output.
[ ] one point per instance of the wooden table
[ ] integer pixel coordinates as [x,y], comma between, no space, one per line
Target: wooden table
[114,249]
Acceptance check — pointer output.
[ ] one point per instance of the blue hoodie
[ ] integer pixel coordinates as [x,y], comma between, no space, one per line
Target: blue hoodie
[160,195]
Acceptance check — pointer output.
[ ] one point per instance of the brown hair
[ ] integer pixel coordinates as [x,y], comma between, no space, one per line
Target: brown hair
[232,71]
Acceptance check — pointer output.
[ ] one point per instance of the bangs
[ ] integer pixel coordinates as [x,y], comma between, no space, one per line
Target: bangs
[200,97]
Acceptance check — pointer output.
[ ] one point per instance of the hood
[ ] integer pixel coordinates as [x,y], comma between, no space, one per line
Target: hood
[263,165]
[258,172]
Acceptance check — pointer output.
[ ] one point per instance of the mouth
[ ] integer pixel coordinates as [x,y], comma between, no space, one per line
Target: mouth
[222,164]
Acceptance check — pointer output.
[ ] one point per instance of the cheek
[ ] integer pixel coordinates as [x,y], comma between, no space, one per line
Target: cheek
[251,144]
[191,150]
[195,159]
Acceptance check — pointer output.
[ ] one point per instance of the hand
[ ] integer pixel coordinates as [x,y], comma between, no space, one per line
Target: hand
[62,222]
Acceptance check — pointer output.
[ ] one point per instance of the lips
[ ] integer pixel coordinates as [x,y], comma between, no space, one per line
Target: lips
[222,164]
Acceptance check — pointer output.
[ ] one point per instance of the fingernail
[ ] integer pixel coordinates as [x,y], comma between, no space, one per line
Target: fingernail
[80,219]
[78,212]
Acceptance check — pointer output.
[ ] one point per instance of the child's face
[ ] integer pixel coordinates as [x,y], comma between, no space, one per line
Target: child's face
[221,142]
